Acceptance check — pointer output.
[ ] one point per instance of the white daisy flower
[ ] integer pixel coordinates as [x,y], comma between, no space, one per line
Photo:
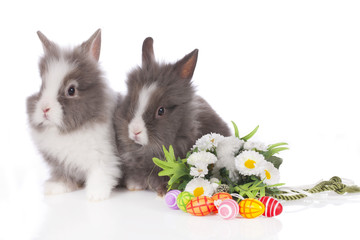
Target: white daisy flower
[226,151]
[201,158]
[208,142]
[200,170]
[215,182]
[249,162]
[255,145]
[199,187]
[270,174]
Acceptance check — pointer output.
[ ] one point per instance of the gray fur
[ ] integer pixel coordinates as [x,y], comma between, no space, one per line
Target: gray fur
[72,177]
[94,103]
[91,105]
[187,117]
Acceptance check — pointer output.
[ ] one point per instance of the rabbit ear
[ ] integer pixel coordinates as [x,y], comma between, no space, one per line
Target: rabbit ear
[148,56]
[92,45]
[186,66]
[47,44]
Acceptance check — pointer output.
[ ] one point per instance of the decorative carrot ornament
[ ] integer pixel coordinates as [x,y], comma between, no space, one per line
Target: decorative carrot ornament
[251,208]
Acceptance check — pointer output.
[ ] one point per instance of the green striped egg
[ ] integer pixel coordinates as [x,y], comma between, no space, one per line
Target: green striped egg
[183,199]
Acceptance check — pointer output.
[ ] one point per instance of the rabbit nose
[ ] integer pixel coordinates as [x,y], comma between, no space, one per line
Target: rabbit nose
[137,133]
[45,110]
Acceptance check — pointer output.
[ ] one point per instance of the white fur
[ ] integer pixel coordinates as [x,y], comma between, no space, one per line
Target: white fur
[57,70]
[88,149]
[133,186]
[52,188]
[137,128]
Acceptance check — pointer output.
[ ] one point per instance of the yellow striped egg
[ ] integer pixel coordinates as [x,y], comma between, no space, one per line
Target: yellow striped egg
[251,208]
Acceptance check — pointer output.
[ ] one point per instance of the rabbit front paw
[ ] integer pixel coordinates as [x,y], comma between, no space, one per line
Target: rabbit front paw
[53,188]
[99,185]
[97,193]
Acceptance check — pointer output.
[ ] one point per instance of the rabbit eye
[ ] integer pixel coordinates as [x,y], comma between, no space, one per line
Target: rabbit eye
[161,111]
[71,91]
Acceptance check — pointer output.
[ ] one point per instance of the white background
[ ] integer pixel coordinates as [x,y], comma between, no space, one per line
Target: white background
[290,66]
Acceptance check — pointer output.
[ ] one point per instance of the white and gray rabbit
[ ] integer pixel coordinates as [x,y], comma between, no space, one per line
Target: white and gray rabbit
[71,120]
[160,108]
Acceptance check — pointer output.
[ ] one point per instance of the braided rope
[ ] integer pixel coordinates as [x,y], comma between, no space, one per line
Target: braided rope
[289,197]
[334,184]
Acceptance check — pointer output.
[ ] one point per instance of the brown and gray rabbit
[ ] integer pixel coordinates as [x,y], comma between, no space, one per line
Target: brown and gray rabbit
[71,120]
[160,108]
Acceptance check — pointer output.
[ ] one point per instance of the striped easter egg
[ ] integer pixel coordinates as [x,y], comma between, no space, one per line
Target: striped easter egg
[200,206]
[228,209]
[272,206]
[251,208]
[183,199]
[218,198]
[170,199]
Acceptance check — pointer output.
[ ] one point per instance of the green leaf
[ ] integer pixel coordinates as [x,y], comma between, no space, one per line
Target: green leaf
[177,170]
[246,186]
[254,178]
[262,192]
[276,145]
[182,186]
[160,163]
[176,177]
[236,130]
[255,192]
[166,153]
[273,151]
[171,152]
[250,195]
[275,185]
[250,135]
[258,183]
[273,191]
[166,172]
[276,161]
[279,149]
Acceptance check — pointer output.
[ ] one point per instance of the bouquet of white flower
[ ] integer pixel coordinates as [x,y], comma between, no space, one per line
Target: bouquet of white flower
[225,164]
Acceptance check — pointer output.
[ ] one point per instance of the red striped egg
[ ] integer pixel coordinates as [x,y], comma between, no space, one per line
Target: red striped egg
[272,206]
[200,206]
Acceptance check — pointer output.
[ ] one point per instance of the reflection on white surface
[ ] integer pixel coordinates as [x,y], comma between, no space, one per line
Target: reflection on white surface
[214,227]
[320,200]
[143,215]
[22,209]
